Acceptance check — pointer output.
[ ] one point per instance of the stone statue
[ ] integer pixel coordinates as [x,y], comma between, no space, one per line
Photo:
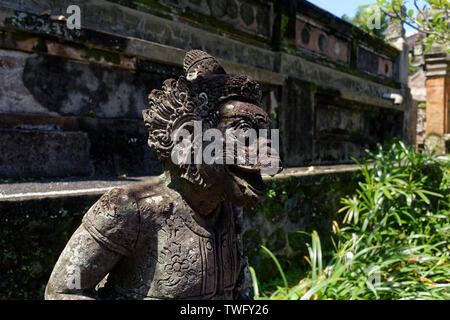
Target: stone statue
[176,236]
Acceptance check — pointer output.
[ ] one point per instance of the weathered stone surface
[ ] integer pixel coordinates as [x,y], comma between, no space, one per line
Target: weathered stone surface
[32,153]
[14,95]
[232,9]
[118,146]
[33,234]
[125,21]
[247,13]
[334,129]
[53,86]
[151,32]
[328,45]
[365,91]
[118,100]
[421,126]
[308,202]
[297,112]
[263,20]
[417,84]
[343,130]
[367,61]
[277,240]
[27,121]
[93,90]
[26,189]
[218,8]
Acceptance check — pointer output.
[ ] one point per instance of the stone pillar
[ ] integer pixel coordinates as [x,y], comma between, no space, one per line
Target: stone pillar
[438,100]
[395,36]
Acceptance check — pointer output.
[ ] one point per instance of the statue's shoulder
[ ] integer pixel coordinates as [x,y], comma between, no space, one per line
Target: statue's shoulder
[114,220]
[154,197]
[153,186]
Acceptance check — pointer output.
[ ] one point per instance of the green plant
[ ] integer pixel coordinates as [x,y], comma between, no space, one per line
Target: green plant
[394,240]
[428,17]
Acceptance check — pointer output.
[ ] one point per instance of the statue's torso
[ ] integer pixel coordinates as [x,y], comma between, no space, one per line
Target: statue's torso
[178,254]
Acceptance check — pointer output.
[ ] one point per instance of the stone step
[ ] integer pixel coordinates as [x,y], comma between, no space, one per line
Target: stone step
[68,187]
[28,189]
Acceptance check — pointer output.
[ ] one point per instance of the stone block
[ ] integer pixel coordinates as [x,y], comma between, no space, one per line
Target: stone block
[296,123]
[437,106]
[34,153]
[119,146]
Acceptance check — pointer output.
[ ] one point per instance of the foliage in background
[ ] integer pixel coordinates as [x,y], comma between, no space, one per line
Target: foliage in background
[392,242]
[431,18]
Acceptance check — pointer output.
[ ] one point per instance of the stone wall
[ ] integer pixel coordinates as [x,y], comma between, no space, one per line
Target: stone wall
[34,231]
[323,79]
[294,203]
[421,126]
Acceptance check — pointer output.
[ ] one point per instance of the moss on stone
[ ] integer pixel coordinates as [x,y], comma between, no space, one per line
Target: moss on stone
[350,68]
[252,243]
[33,235]
[277,240]
[273,209]
[40,46]
[97,54]
[220,25]
[292,208]
[296,241]
[274,212]
[22,36]
[252,212]
[284,23]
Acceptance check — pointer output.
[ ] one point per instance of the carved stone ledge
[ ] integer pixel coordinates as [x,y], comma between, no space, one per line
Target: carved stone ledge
[437,66]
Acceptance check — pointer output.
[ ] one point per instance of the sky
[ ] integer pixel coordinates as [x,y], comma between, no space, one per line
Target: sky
[341,7]
[349,7]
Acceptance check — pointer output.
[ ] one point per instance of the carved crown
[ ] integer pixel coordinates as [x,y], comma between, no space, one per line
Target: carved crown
[197,62]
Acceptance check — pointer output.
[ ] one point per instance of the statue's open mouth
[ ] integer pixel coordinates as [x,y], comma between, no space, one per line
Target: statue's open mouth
[250,177]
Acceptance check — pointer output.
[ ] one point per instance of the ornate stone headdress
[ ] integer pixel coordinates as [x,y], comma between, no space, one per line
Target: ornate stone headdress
[194,97]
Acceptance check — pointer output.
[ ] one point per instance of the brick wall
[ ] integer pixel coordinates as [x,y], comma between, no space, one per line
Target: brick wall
[437,105]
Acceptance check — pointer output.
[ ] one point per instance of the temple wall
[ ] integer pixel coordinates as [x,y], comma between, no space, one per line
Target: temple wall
[323,79]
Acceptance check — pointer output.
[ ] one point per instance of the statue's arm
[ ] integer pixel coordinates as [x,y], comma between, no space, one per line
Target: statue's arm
[80,267]
[108,233]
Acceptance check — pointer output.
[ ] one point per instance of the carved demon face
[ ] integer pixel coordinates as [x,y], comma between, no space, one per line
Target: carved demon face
[242,123]
[211,126]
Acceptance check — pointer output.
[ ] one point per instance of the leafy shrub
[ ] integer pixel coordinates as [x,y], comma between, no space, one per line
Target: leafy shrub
[393,238]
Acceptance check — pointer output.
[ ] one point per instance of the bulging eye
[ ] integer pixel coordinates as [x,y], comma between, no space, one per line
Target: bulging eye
[243,125]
